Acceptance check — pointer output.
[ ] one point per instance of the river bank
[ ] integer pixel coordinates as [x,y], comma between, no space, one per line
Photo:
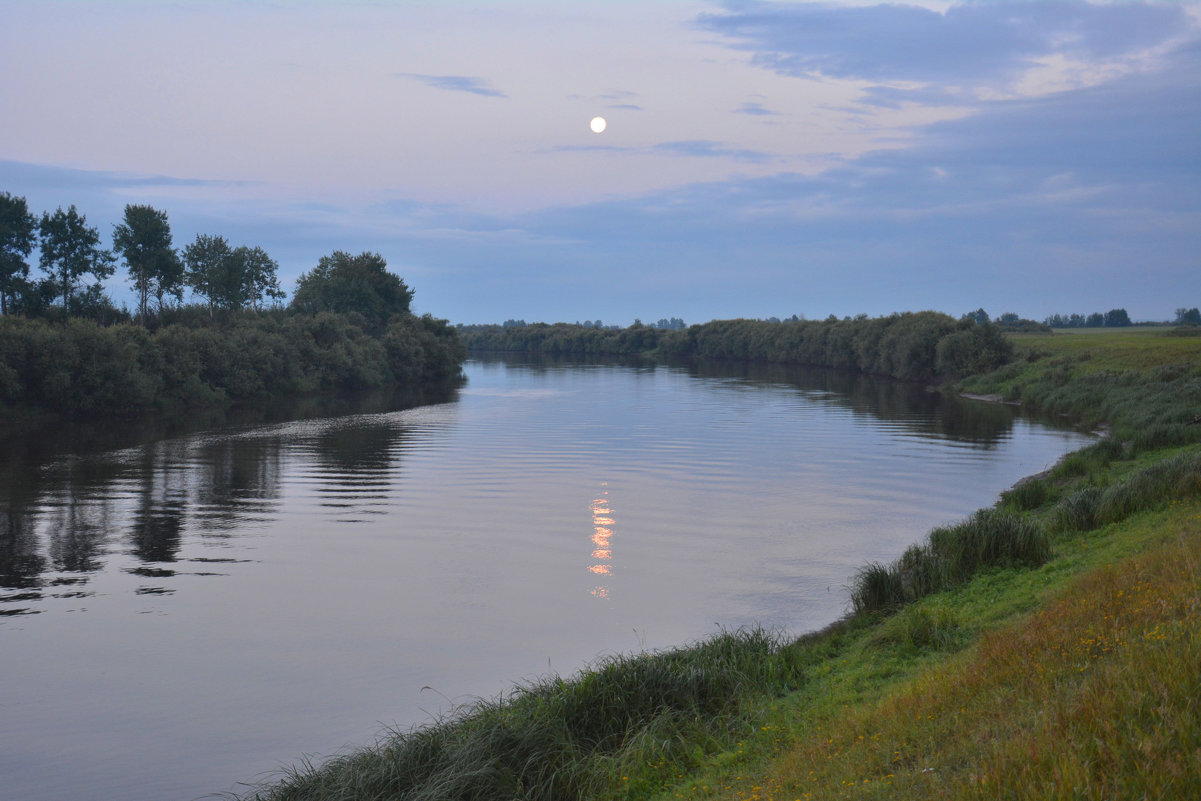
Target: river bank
[640,728]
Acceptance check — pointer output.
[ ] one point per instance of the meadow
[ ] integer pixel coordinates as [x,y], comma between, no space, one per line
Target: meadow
[1043,648]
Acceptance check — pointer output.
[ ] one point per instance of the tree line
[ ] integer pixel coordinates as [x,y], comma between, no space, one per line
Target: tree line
[910,346]
[220,275]
[65,348]
[1114,318]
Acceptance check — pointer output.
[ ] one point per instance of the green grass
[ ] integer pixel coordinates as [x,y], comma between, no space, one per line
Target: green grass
[567,738]
[1077,680]
[1144,383]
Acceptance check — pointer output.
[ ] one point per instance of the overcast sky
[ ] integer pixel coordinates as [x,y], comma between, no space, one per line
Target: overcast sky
[760,158]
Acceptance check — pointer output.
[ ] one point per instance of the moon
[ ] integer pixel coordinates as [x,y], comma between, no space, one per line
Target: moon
[597,125]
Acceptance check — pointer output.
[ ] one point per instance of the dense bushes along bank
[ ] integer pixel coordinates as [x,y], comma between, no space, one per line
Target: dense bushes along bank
[911,346]
[78,367]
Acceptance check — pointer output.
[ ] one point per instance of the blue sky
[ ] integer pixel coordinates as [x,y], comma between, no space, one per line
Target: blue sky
[761,158]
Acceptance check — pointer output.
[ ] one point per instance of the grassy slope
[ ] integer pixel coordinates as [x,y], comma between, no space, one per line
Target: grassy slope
[1079,679]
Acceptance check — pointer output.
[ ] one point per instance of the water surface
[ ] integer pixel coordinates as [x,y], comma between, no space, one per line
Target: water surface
[187,612]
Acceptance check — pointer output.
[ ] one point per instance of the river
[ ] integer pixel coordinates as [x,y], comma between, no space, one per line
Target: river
[181,613]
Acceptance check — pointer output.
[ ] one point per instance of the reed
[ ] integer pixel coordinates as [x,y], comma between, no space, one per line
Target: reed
[952,555]
[562,738]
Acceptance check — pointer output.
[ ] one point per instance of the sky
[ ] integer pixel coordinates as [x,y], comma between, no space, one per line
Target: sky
[761,158]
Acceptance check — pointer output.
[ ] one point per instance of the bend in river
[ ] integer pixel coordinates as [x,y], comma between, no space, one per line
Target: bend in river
[192,611]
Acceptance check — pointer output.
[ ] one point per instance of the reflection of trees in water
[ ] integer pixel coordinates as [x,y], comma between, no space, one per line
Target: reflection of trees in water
[239,479]
[162,505]
[364,448]
[77,532]
[354,462]
[62,512]
[912,405]
[21,562]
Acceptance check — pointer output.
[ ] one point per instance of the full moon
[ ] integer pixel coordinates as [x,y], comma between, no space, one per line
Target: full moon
[597,125]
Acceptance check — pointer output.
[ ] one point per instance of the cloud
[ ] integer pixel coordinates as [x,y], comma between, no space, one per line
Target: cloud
[690,148]
[703,148]
[976,42]
[755,110]
[625,106]
[455,83]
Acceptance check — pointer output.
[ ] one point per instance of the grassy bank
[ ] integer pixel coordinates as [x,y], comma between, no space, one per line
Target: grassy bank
[1045,648]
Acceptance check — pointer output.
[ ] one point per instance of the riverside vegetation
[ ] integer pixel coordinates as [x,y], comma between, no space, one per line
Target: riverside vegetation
[911,346]
[67,351]
[348,328]
[1044,648]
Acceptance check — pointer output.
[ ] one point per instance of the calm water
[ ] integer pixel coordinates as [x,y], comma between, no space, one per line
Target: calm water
[199,610]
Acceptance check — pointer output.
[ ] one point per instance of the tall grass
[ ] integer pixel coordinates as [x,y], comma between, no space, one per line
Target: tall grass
[565,738]
[1172,478]
[951,556]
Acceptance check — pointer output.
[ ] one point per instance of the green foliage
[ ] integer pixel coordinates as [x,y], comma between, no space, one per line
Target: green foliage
[256,272]
[82,368]
[343,283]
[972,349]
[1114,318]
[144,241]
[916,346]
[213,273]
[70,250]
[1188,316]
[17,227]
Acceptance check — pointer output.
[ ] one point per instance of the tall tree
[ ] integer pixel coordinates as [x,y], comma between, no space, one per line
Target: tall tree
[258,273]
[344,283]
[208,263]
[17,228]
[1116,318]
[70,250]
[1188,316]
[144,241]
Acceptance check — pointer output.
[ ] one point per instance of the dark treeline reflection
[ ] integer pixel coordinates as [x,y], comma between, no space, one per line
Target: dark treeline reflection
[911,405]
[356,462]
[73,496]
[908,404]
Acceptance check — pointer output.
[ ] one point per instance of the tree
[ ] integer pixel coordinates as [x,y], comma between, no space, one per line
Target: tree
[1116,318]
[70,250]
[979,316]
[208,264]
[144,241]
[17,228]
[344,283]
[257,271]
[1188,316]
[1094,320]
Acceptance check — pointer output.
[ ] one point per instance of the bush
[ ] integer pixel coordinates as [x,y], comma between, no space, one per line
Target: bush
[81,368]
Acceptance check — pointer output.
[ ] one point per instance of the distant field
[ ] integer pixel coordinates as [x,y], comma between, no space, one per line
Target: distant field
[1136,348]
